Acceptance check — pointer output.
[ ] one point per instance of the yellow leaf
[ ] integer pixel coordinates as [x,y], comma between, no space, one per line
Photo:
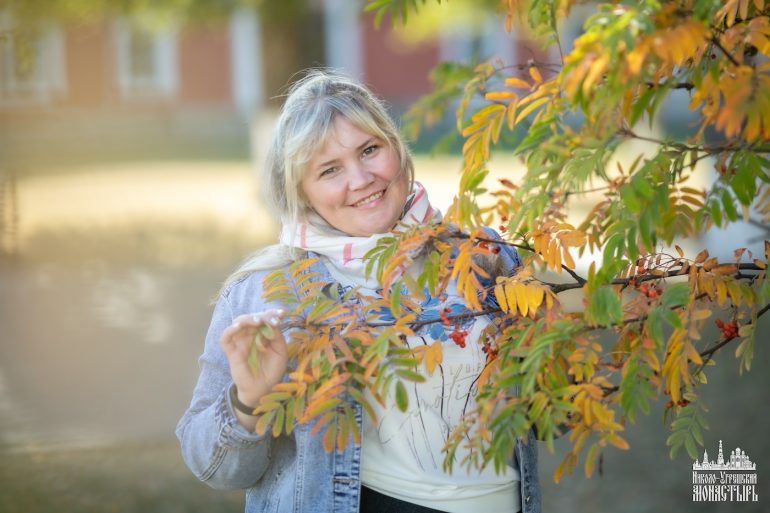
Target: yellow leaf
[510,296]
[600,412]
[635,58]
[486,373]
[500,296]
[521,298]
[554,256]
[433,357]
[535,297]
[529,108]
[573,238]
[510,114]
[734,290]
[516,83]
[568,261]
[617,441]
[535,74]
[500,96]
[693,354]
[594,73]
[721,293]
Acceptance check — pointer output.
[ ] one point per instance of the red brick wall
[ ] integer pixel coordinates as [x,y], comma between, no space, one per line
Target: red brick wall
[394,71]
[90,65]
[205,66]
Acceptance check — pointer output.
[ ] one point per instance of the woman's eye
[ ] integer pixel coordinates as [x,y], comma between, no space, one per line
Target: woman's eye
[370,150]
[328,172]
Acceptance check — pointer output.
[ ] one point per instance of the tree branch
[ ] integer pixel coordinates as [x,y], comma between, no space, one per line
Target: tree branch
[707,149]
[709,353]
[579,279]
[715,41]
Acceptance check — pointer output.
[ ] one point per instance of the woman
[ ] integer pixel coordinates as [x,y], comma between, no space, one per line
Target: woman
[340,177]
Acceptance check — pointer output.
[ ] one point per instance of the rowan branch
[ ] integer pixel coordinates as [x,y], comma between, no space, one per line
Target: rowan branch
[579,279]
[705,148]
[709,353]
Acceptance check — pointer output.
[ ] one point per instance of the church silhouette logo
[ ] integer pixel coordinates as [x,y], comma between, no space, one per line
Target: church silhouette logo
[732,479]
[739,460]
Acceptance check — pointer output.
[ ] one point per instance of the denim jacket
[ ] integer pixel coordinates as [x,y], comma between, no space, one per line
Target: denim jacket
[288,474]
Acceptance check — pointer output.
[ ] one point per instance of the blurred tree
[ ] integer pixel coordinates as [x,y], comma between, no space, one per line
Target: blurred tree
[641,289]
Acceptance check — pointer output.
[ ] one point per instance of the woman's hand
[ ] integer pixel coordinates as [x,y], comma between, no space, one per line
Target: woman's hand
[272,359]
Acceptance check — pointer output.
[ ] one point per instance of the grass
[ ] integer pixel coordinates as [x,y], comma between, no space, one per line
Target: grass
[150,477]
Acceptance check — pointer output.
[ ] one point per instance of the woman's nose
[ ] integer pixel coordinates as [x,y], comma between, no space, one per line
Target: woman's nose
[359,176]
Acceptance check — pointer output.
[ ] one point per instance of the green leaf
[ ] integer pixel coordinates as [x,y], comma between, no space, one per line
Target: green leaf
[410,375]
[605,307]
[727,203]
[654,326]
[402,399]
[674,295]
[395,299]
[630,200]
[640,105]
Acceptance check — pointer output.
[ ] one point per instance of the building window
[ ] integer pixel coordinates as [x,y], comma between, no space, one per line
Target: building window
[31,64]
[146,61]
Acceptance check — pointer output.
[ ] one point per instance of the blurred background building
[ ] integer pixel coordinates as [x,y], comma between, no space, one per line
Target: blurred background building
[115,86]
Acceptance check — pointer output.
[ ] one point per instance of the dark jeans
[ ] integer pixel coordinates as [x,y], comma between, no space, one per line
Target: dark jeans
[375,502]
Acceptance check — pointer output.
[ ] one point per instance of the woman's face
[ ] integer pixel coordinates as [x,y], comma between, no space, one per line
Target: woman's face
[354,182]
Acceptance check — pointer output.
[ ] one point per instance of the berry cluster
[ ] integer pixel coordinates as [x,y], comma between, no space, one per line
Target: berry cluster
[651,291]
[443,316]
[458,337]
[682,403]
[729,330]
[503,228]
[488,350]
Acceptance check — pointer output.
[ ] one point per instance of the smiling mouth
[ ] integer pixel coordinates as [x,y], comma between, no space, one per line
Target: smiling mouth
[369,199]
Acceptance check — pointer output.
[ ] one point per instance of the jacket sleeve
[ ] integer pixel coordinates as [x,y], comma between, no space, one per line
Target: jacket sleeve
[218,450]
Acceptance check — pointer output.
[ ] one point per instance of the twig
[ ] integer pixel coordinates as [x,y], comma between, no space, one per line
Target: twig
[709,353]
[715,42]
[579,279]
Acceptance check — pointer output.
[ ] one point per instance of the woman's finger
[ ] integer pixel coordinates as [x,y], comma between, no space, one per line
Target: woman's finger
[270,317]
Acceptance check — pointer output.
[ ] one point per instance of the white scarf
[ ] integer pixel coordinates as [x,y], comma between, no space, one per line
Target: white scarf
[344,252]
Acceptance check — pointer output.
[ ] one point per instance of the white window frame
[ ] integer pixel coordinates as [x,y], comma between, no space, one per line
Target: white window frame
[164,79]
[47,80]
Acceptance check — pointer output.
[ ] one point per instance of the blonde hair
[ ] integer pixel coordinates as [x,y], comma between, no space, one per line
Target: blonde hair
[303,128]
